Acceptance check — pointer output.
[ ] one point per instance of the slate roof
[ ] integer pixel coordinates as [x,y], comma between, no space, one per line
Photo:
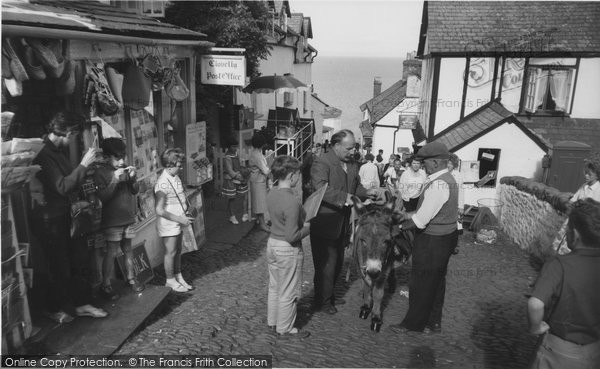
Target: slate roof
[92,17]
[555,129]
[498,27]
[386,101]
[478,123]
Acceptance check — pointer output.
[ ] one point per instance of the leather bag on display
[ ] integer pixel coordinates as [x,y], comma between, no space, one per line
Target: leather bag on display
[136,87]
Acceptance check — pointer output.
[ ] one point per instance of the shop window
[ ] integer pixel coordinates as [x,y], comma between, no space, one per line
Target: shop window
[548,89]
[288,98]
[488,166]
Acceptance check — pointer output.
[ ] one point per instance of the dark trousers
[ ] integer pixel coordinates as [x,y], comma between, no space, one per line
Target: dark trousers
[328,258]
[427,285]
[67,265]
[411,205]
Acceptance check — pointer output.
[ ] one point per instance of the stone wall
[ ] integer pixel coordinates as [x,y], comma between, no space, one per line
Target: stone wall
[532,213]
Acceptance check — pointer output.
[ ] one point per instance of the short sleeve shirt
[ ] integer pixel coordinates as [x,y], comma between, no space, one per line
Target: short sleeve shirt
[173,188]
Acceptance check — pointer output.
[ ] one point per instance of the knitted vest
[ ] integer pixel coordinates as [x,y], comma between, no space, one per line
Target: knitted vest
[444,222]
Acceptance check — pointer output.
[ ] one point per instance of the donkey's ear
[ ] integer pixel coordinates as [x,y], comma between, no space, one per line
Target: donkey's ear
[358,205]
[389,202]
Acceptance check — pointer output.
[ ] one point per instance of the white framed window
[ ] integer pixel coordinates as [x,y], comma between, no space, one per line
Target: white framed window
[288,98]
[548,89]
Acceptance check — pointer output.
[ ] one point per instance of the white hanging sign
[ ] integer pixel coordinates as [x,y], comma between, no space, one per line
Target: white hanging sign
[228,70]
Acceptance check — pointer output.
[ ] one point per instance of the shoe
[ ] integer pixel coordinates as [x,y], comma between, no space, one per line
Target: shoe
[339,302]
[245,218]
[91,311]
[233,220]
[136,286]
[184,283]
[294,333]
[108,293]
[176,286]
[59,317]
[272,327]
[455,251]
[434,328]
[399,328]
[329,309]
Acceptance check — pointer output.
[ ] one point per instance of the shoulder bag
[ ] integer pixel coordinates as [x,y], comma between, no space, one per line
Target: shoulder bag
[191,211]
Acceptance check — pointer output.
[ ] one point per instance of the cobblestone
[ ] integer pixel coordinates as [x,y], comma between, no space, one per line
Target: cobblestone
[484,323]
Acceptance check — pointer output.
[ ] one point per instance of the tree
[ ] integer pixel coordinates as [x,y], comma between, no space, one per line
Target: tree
[227,24]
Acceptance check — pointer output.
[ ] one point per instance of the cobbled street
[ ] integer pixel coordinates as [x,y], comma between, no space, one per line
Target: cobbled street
[484,323]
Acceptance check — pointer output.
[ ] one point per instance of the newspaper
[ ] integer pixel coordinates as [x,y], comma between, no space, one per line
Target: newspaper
[312,204]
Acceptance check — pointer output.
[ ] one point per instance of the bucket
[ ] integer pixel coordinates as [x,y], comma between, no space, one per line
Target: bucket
[494,205]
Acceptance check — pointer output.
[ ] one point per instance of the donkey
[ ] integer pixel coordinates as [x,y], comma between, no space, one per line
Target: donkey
[378,242]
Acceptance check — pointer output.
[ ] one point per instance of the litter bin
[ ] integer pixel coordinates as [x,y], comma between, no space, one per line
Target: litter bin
[494,205]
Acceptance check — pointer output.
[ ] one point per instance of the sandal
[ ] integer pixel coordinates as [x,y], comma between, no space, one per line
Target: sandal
[294,333]
[91,311]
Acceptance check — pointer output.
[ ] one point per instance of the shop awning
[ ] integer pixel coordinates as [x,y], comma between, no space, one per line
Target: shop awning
[91,20]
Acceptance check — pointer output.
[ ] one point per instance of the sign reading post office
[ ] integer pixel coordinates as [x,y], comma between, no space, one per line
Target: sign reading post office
[228,70]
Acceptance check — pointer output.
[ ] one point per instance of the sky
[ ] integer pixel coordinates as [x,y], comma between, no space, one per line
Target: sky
[362,28]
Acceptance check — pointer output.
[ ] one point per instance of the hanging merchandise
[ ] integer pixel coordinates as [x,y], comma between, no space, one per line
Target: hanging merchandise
[34,68]
[66,83]
[16,66]
[46,56]
[136,87]
[154,70]
[176,89]
[13,86]
[115,82]
[98,96]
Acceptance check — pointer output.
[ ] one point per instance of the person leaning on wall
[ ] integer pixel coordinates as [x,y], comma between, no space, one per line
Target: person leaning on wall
[68,292]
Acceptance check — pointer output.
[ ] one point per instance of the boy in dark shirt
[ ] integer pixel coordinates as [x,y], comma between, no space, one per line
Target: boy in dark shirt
[284,248]
[567,289]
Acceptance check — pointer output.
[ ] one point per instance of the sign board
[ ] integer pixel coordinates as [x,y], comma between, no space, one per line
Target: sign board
[141,263]
[407,121]
[227,70]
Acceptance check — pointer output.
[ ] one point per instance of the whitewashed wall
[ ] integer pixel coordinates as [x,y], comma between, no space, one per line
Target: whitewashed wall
[587,91]
[519,156]
[383,137]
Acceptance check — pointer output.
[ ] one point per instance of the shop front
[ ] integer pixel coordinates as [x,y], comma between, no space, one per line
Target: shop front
[132,77]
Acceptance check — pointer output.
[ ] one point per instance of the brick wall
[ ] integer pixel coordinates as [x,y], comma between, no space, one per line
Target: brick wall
[532,213]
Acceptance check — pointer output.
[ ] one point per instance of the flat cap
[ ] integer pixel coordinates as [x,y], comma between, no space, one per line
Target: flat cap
[433,150]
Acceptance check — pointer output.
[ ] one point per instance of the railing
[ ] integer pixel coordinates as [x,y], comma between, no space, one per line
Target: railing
[297,145]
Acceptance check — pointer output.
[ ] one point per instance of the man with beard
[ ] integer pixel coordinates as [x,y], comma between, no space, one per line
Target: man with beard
[329,228]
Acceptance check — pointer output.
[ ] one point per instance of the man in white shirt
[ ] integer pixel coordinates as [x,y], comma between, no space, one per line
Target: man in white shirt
[368,173]
[411,183]
[435,240]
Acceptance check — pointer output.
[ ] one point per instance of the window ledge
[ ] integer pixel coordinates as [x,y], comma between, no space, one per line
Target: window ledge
[545,113]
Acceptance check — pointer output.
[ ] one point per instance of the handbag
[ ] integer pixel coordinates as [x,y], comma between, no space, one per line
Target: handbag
[191,211]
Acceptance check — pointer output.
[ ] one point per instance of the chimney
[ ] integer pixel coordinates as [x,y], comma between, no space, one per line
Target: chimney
[376,86]
[411,67]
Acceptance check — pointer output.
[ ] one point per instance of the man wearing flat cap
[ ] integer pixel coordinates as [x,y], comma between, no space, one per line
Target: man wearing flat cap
[436,238]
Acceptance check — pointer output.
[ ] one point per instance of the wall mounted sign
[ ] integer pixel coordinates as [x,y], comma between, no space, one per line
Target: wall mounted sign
[407,121]
[228,70]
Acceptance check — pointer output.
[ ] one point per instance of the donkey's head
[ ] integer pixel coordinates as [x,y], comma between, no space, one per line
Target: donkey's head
[373,235]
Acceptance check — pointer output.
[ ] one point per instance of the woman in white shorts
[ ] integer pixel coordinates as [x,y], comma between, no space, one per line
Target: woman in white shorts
[171,208]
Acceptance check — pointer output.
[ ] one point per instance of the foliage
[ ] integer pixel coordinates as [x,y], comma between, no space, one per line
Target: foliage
[239,24]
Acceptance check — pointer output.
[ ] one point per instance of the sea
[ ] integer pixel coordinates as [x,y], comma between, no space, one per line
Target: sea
[347,82]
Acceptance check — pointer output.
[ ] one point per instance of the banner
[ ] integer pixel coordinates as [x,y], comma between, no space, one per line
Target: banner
[198,166]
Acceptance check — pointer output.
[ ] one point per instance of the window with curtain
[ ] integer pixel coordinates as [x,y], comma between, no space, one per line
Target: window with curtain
[548,89]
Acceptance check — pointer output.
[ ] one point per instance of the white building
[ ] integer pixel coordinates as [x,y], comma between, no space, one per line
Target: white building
[391,115]
[491,93]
